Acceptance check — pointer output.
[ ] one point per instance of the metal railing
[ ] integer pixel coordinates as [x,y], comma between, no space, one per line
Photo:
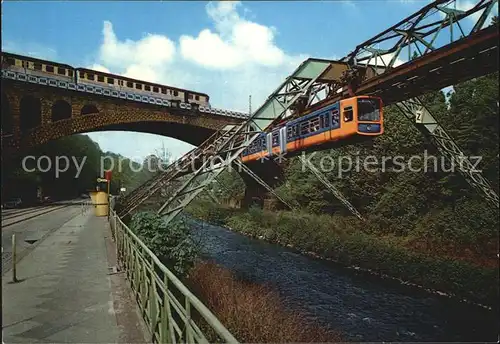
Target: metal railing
[171,312]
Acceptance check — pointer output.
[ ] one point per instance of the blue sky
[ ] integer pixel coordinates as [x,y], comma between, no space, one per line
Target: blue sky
[228,50]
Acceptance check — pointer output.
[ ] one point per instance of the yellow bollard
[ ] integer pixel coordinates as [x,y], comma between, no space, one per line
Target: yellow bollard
[14,274]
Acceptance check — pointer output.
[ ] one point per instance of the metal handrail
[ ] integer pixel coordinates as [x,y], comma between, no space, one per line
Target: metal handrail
[168,319]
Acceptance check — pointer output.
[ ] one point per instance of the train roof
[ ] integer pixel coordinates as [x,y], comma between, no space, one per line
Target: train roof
[142,81]
[33,59]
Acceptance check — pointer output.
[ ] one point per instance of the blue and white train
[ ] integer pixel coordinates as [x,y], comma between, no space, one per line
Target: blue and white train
[55,74]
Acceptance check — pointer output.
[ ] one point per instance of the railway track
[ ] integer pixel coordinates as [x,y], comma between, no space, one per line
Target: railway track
[27,214]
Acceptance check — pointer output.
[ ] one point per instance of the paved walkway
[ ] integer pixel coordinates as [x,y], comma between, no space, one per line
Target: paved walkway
[67,291]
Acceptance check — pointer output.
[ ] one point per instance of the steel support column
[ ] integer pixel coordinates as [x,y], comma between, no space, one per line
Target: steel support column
[418,113]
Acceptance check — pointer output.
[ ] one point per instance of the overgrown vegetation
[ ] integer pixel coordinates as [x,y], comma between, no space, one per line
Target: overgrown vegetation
[172,244]
[252,313]
[429,228]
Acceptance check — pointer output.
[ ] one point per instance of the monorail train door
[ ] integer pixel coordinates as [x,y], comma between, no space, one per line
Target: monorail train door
[283,139]
[269,143]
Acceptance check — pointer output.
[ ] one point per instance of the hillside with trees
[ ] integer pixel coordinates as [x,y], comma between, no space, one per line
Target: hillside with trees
[431,228]
[17,182]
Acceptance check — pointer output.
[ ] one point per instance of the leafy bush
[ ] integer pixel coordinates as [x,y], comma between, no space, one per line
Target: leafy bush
[172,243]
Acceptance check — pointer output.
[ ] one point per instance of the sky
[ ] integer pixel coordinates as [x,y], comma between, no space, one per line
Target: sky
[229,50]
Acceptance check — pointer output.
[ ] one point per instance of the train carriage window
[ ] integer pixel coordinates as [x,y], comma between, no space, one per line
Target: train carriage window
[314,124]
[120,82]
[138,86]
[100,78]
[304,128]
[82,74]
[335,119]
[49,69]
[176,93]
[25,64]
[130,84]
[197,97]
[289,133]
[348,114]
[147,88]
[70,73]
[163,90]
[61,70]
[275,139]
[9,61]
[190,96]
[90,76]
[155,89]
[111,81]
[37,66]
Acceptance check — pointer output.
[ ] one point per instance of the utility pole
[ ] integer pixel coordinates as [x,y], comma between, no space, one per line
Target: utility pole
[250,105]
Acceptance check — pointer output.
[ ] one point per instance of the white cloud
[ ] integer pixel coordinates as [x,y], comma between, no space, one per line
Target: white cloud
[99,68]
[229,61]
[238,41]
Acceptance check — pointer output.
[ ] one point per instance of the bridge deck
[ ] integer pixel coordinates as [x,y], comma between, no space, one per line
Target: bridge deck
[66,293]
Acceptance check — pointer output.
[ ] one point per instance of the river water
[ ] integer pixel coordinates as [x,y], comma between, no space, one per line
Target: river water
[362,307]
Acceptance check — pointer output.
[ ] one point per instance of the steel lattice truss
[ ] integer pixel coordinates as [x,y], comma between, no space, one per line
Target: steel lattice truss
[316,81]
[434,26]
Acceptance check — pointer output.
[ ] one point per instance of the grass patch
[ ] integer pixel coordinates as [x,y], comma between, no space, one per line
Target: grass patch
[252,313]
[348,242]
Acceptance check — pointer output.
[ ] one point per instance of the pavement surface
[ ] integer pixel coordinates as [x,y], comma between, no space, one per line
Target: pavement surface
[30,231]
[67,290]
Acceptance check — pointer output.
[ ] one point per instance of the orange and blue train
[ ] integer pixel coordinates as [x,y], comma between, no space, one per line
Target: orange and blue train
[342,122]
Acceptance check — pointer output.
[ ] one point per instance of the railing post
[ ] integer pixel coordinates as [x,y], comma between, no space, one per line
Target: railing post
[189,329]
[152,298]
[14,258]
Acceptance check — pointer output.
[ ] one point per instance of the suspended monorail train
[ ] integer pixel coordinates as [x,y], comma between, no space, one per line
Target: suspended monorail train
[342,122]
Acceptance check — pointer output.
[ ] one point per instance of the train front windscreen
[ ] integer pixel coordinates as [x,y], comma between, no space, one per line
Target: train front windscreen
[368,110]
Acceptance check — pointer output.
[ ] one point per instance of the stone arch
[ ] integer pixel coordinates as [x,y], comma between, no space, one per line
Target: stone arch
[30,109]
[7,124]
[88,109]
[61,110]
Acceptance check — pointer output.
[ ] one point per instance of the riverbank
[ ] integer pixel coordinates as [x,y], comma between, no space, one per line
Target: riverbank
[341,240]
[253,313]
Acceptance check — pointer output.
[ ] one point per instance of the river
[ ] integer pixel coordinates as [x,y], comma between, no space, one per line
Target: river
[362,307]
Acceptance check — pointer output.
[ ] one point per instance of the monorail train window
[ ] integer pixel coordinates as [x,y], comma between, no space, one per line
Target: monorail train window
[155,89]
[304,128]
[61,70]
[163,90]
[335,119]
[90,76]
[348,114]
[147,88]
[368,109]
[130,84]
[197,97]
[100,78]
[82,74]
[176,93]
[138,86]
[314,124]
[70,72]
[37,66]
[190,96]
[49,69]
[111,81]
[275,138]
